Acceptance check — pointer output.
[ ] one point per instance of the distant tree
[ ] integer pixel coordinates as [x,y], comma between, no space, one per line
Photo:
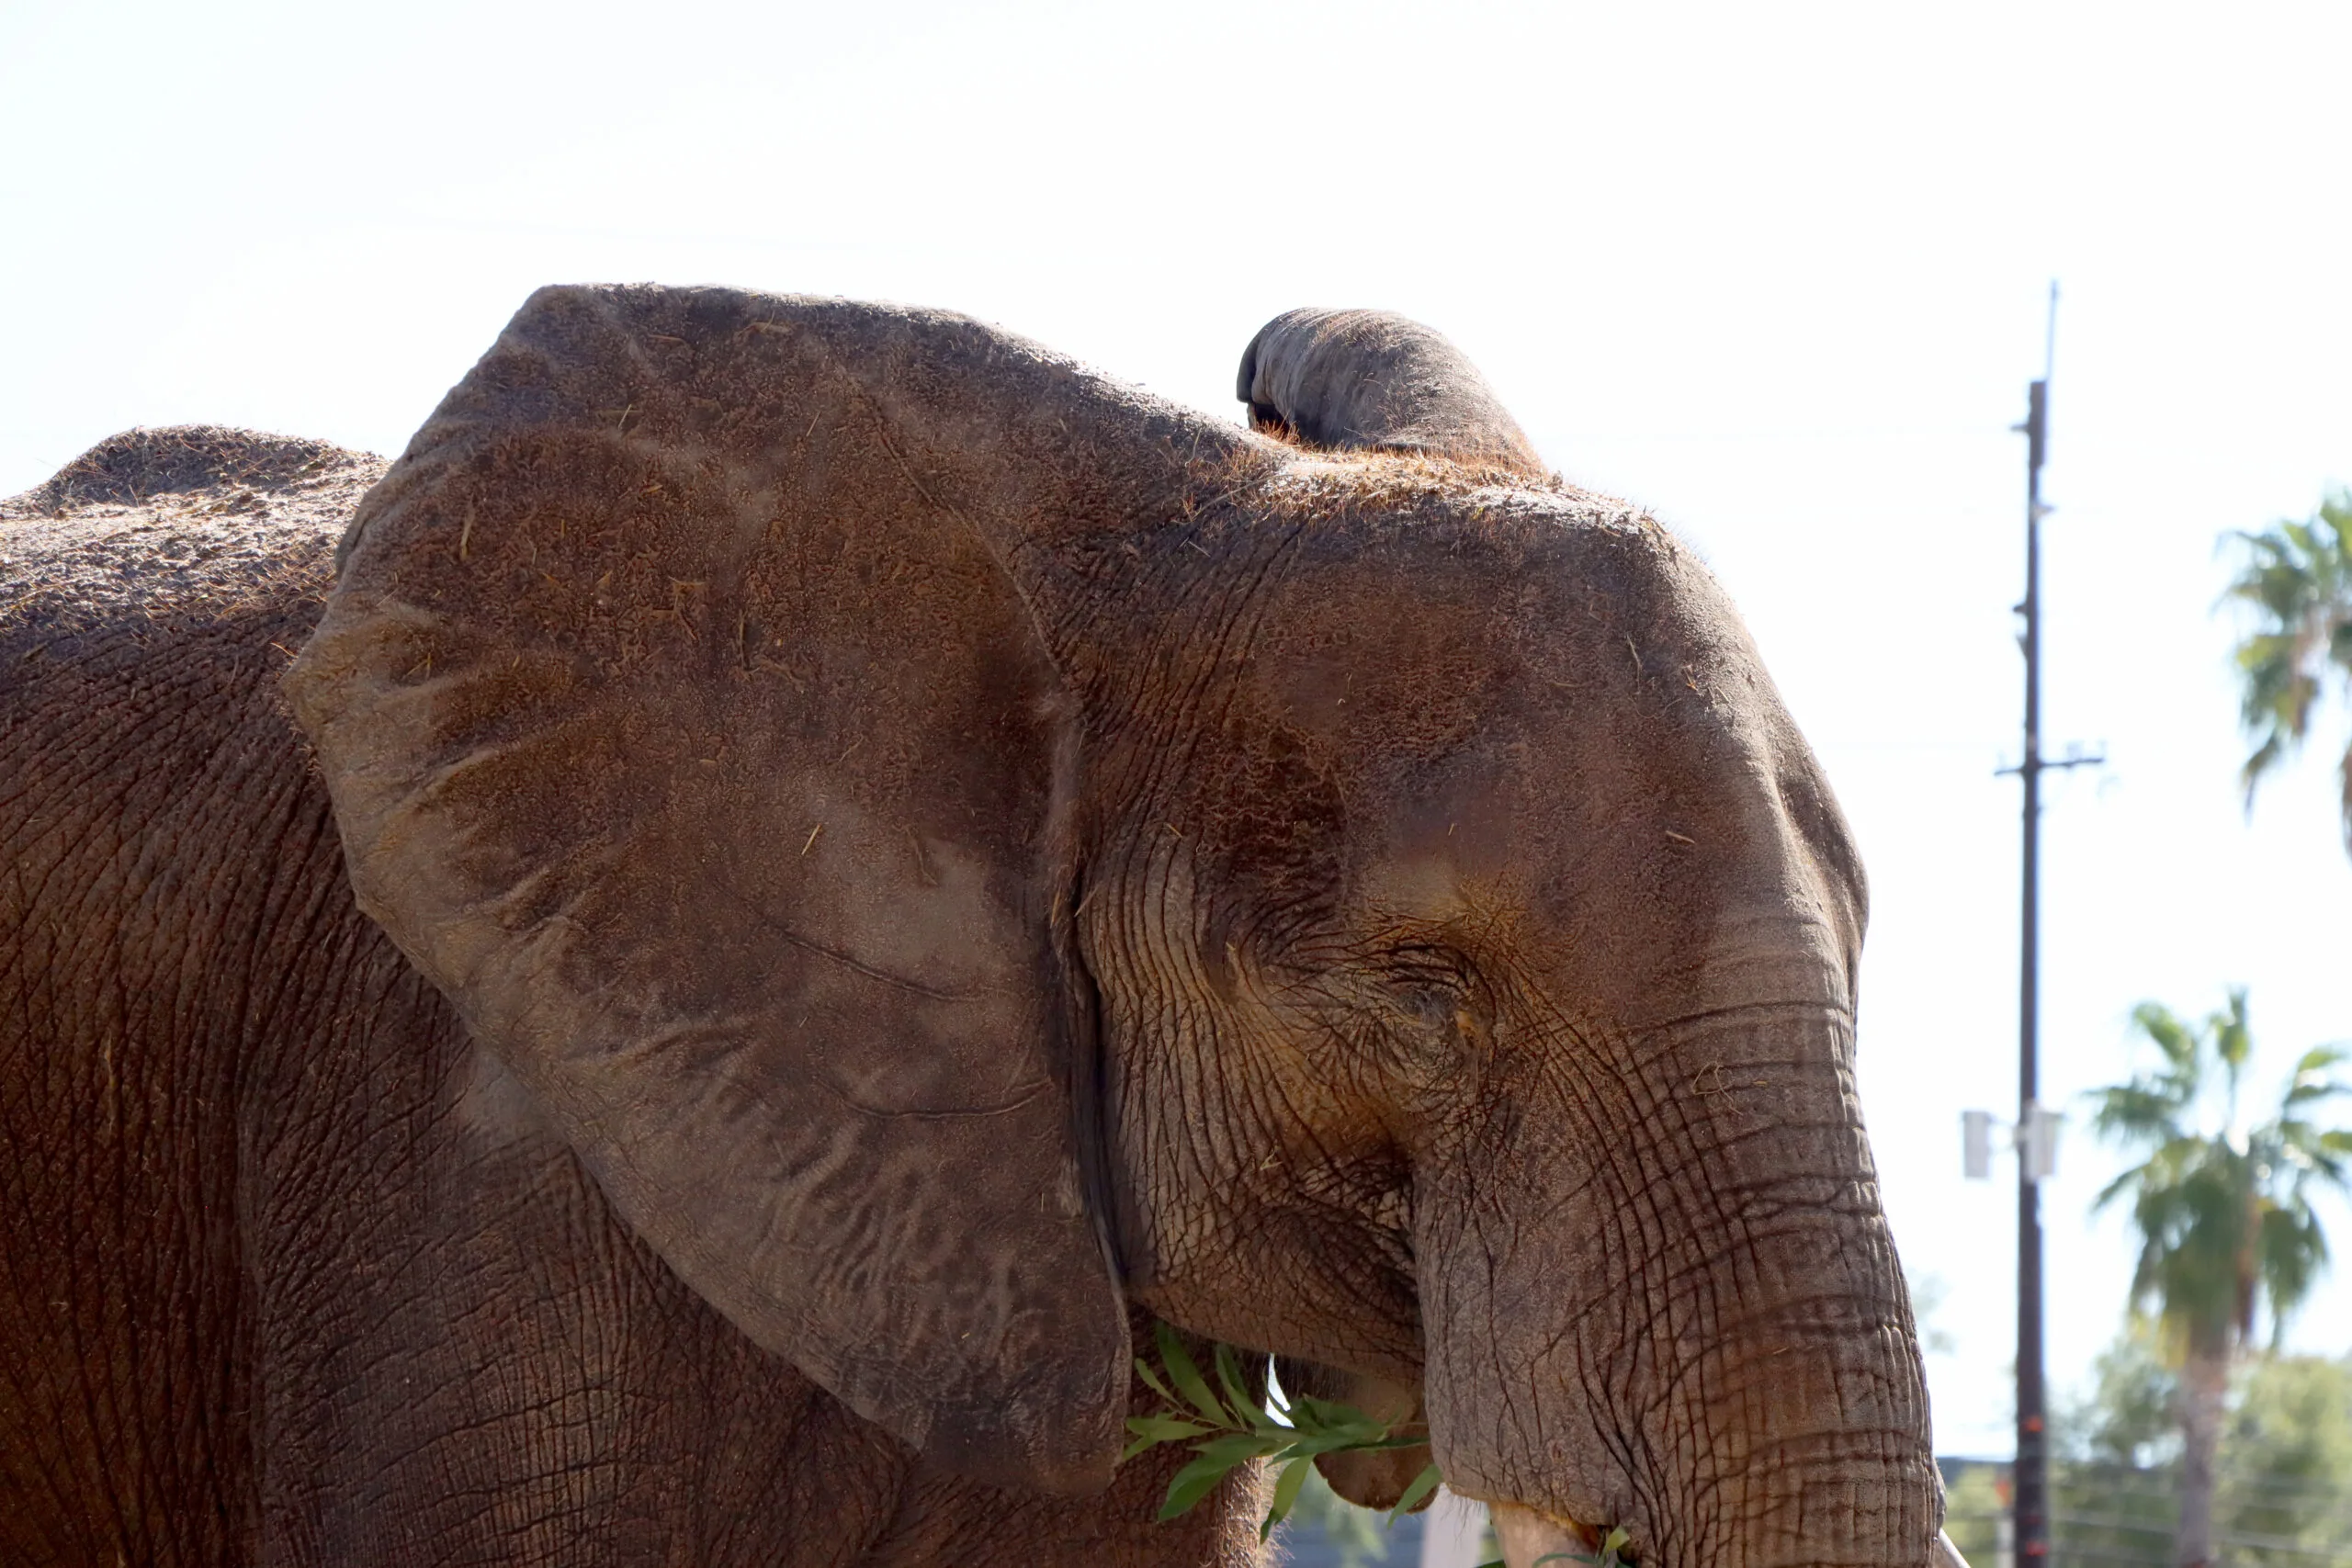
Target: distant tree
[2297,577]
[2130,1417]
[2115,1493]
[2225,1216]
[1974,1501]
[2286,1493]
[2283,1496]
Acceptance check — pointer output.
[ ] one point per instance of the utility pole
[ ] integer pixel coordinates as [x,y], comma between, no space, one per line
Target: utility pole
[2031,1498]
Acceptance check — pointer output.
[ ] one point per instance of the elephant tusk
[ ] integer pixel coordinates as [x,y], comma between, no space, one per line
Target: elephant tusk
[1946,1555]
[1527,1537]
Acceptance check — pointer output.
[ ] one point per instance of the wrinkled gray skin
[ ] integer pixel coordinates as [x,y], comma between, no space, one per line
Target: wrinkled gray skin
[887,859]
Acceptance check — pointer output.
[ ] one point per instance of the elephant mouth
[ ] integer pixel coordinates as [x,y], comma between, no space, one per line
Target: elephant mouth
[1529,1537]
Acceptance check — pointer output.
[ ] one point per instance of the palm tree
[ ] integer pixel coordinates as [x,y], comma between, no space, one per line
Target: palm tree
[2298,579]
[2224,1216]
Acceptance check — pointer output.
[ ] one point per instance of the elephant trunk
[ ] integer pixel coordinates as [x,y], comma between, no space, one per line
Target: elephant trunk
[1700,1334]
[1358,379]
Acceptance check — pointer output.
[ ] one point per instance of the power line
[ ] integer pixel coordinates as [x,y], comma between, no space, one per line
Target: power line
[2126,1526]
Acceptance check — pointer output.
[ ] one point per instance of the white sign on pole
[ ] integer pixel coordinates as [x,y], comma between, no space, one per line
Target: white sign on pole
[1976,1144]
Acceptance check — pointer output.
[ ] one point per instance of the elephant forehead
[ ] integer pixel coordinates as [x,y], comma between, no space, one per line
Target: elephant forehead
[1414,628]
[1559,720]
[1451,846]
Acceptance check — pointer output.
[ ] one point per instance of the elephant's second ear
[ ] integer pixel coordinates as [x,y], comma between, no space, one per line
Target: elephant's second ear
[1348,380]
[684,727]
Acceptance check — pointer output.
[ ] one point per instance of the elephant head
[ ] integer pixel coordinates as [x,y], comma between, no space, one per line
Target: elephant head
[956,845]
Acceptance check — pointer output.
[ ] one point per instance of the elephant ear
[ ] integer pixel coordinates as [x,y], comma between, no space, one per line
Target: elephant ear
[685,728]
[1352,380]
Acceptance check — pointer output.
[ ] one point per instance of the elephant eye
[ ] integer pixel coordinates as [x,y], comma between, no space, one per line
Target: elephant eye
[1425,966]
[1429,1007]
[1433,996]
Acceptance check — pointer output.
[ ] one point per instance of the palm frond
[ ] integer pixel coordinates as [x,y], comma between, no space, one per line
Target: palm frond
[2295,581]
[2136,1113]
[2232,1039]
[2314,1078]
[2171,1034]
[2290,1251]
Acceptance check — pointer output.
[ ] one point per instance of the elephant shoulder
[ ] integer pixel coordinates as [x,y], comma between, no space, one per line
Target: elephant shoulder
[156,533]
[150,595]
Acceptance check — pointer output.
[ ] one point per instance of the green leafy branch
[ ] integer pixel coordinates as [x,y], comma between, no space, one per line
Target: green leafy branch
[1229,1431]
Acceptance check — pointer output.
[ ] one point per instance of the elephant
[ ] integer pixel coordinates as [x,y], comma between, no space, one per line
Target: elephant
[680,974]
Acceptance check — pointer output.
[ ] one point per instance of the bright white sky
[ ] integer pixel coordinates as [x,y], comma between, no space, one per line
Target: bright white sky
[1775,272]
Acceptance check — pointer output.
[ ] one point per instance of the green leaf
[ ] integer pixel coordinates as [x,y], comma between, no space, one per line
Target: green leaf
[1187,1377]
[1218,1456]
[1422,1485]
[1191,1484]
[1331,1444]
[1287,1490]
[1143,1371]
[1329,1419]
[1150,1431]
[1236,1447]
[1236,1391]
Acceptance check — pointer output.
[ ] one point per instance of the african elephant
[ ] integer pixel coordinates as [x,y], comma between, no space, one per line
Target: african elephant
[819,865]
